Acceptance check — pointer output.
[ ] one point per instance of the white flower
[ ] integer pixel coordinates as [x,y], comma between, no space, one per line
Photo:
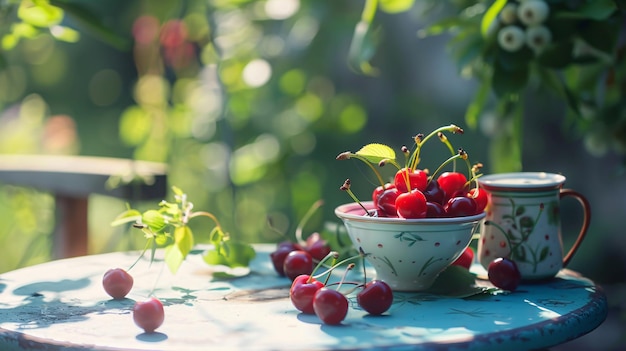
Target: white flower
[508,15]
[511,38]
[538,37]
[533,12]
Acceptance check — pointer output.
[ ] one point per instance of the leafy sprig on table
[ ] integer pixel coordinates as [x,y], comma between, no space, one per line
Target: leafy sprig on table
[168,227]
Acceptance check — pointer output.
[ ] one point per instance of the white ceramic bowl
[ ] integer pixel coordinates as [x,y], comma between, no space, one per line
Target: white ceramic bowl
[408,254]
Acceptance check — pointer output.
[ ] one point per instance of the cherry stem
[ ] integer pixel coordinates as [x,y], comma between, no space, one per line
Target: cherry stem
[307,216]
[444,139]
[441,166]
[346,187]
[336,265]
[348,155]
[345,274]
[333,254]
[206,214]
[415,157]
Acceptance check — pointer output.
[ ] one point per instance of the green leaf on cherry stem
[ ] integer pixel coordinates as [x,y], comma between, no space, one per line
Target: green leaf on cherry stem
[127,216]
[375,153]
[154,220]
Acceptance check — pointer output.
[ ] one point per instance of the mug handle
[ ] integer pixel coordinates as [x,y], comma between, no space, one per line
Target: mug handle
[586,219]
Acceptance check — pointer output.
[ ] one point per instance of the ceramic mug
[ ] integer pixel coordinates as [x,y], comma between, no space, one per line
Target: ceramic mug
[523,222]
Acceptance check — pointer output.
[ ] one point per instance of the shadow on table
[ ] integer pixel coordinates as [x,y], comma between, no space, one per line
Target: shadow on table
[51,286]
[40,307]
[151,337]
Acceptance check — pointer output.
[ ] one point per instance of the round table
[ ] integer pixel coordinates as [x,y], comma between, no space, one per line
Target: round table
[61,305]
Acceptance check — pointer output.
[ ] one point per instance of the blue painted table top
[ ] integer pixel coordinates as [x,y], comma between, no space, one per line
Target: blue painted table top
[62,305]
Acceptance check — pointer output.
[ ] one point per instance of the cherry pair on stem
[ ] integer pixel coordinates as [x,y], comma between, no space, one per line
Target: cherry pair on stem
[310,295]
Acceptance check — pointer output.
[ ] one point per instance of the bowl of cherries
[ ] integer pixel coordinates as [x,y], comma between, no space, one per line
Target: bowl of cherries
[419,222]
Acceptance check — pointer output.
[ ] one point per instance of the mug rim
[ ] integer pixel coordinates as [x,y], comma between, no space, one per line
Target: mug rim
[522,181]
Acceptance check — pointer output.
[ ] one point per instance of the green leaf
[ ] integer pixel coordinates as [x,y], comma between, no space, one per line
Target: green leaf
[154,220]
[395,6]
[41,14]
[126,217]
[602,35]
[362,48]
[478,104]
[455,281]
[490,16]
[595,9]
[238,255]
[173,258]
[375,152]
[183,237]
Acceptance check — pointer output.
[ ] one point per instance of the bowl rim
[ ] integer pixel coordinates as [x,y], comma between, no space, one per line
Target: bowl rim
[342,211]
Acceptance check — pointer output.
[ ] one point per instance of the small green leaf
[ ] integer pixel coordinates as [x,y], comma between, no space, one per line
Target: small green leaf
[154,220]
[362,48]
[161,239]
[595,9]
[127,217]
[602,35]
[183,237]
[478,104]
[395,6]
[375,153]
[490,16]
[238,255]
[173,258]
[557,55]
[455,281]
[41,14]
[24,30]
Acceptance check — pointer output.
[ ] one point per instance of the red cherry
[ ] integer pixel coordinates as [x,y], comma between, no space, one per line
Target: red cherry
[379,191]
[434,193]
[480,198]
[451,182]
[504,274]
[296,263]
[117,283]
[411,204]
[302,291]
[278,257]
[466,259]
[376,297]
[417,179]
[387,202]
[317,247]
[149,314]
[330,306]
[435,210]
[460,206]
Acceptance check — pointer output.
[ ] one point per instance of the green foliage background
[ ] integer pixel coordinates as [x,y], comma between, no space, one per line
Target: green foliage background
[250,104]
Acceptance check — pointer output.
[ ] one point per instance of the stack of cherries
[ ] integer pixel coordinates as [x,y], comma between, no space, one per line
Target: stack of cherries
[300,260]
[415,194]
